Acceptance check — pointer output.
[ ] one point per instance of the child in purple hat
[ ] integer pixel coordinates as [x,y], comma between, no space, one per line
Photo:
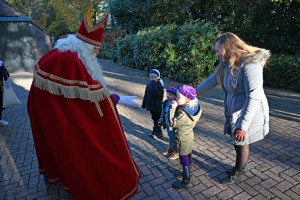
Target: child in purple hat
[152,100]
[183,116]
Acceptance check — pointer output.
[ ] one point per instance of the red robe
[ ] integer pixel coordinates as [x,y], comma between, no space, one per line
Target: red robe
[77,132]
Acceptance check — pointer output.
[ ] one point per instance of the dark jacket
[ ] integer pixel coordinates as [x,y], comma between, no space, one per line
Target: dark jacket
[165,108]
[153,97]
[3,74]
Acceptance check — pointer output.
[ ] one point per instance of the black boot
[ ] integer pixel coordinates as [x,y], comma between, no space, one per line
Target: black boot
[153,132]
[243,171]
[178,174]
[235,177]
[185,180]
[157,133]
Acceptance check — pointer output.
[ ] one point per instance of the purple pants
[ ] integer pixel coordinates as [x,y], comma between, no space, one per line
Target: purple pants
[186,160]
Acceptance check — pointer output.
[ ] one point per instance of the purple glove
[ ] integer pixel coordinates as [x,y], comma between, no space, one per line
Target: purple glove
[116,98]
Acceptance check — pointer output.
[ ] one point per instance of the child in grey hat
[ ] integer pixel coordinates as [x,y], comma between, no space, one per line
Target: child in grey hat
[152,100]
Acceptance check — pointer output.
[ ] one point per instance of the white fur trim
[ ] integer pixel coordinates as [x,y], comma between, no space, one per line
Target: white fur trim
[85,53]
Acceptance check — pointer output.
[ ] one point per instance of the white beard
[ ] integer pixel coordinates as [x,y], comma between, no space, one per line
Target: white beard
[85,54]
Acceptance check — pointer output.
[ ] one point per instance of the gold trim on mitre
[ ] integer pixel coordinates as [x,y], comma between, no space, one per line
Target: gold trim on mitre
[94,42]
[88,21]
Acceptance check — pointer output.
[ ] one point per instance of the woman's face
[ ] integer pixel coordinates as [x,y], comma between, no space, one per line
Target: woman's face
[181,100]
[219,51]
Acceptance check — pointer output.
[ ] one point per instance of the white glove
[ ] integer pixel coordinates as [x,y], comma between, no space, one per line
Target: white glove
[128,101]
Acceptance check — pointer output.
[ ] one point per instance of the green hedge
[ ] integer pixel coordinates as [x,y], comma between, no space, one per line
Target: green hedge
[184,53]
[271,24]
[283,71]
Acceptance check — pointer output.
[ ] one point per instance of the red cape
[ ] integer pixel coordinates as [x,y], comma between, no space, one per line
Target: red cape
[77,132]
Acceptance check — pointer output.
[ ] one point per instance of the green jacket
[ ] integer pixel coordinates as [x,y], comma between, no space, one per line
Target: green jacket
[183,120]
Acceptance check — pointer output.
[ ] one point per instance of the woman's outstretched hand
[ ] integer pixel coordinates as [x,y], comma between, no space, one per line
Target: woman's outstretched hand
[240,135]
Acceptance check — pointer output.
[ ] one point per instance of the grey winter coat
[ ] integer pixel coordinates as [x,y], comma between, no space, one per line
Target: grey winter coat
[183,120]
[245,103]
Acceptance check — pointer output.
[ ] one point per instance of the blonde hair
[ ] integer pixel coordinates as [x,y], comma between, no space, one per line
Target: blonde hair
[234,50]
[191,103]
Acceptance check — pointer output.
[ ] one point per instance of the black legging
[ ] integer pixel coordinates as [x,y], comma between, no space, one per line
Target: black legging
[155,117]
[242,156]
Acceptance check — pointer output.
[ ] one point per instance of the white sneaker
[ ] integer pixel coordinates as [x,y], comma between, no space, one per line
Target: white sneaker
[3,123]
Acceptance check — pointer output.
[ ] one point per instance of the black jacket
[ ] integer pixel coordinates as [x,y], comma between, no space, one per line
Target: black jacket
[153,96]
[3,74]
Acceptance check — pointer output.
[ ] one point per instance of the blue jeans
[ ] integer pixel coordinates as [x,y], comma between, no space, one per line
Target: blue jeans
[170,135]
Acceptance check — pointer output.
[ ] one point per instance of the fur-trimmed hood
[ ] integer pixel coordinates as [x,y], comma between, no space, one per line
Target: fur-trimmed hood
[260,57]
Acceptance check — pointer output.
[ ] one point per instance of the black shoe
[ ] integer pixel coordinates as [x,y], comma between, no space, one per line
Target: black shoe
[178,174]
[153,132]
[233,170]
[231,179]
[181,184]
[186,174]
[157,133]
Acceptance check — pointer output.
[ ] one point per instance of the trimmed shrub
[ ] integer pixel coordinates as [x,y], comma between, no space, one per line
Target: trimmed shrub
[108,44]
[149,44]
[124,50]
[283,71]
[192,57]
[184,53]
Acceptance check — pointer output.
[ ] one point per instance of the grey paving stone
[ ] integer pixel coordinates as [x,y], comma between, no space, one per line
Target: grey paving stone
[226,194]
[279,194]
[161,192]
[186,195]
[258,197]
[292,194]
[243,195]
[210,192]
[283,186]
[264,192]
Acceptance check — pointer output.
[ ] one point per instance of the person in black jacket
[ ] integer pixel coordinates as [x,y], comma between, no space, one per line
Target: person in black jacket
[152,100]
[3,76]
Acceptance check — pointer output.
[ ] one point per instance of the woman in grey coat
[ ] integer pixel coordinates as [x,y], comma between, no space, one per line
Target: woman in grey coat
[240,73]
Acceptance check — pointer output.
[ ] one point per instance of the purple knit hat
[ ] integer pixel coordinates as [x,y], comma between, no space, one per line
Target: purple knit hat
[188,91]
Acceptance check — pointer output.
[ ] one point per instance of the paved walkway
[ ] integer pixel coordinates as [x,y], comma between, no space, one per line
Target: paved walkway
[274,162]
